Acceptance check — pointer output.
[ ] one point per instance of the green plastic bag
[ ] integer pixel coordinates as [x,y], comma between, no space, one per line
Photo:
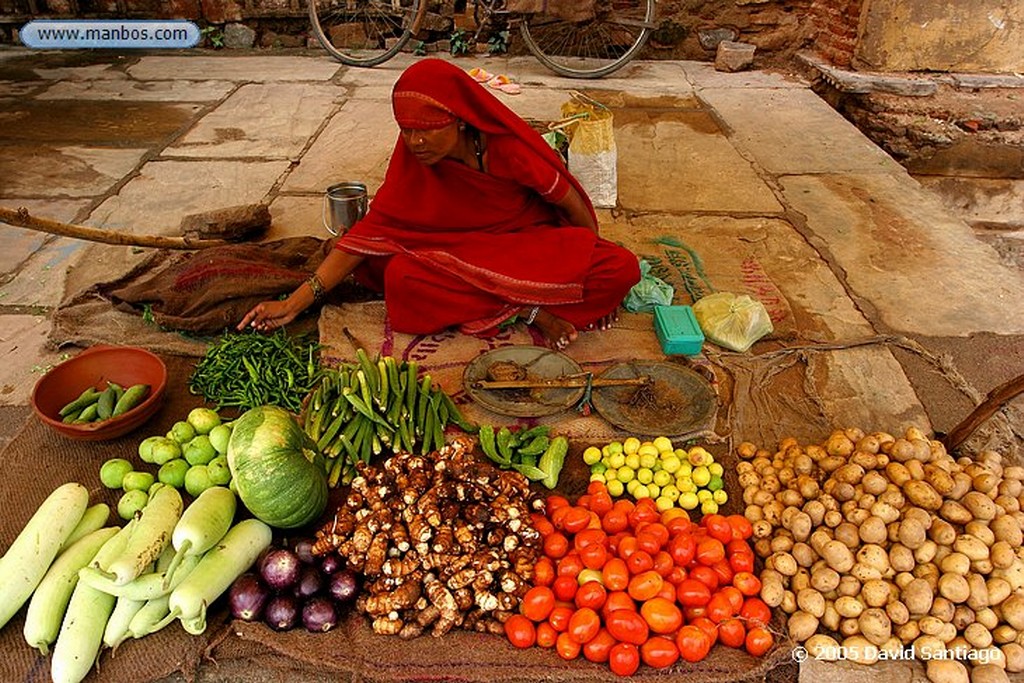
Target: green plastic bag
[651,291]
[734,321]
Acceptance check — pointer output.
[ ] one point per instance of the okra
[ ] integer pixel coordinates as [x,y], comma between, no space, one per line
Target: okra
[132,397]
[87,397]
[90,413]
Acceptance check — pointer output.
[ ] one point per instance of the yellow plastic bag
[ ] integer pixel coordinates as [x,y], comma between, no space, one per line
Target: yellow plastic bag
[734,321]
[592,154]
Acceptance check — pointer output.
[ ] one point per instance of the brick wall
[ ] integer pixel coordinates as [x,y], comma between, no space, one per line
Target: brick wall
[837,22]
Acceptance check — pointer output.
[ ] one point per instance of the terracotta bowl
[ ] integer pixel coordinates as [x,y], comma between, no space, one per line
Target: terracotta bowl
[94,367]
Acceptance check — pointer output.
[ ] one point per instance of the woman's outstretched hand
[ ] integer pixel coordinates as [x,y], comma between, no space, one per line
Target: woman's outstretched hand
[268,315]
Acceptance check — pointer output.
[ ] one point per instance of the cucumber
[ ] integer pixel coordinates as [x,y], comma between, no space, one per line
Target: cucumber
[27,559]
[81,634]
[152,534]
[94,519]
[50,599]
[218,569]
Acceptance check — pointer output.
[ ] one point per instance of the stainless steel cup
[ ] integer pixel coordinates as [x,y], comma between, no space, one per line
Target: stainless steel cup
[344,204]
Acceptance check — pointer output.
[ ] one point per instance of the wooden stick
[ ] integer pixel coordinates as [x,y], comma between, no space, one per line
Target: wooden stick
[995,400]
[22,219]
[558,383]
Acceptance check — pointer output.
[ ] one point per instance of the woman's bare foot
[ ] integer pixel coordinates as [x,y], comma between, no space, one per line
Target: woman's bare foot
[558,332]
[605,322]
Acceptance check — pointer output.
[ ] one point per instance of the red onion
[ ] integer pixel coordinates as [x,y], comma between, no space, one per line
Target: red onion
[318,614]
[247,597]
[309,584]
[343,585]
[280,569]
[281,612]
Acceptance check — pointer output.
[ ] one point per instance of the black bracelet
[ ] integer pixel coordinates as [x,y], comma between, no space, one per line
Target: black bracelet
[316,286]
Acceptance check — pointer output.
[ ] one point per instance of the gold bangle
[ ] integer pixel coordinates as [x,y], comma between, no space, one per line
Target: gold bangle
[316,286]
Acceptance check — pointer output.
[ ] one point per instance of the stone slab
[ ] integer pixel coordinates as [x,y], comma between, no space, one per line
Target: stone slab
[821,309]
[40,280]
[242,68]
[673,162]
[663,77]
[91,72]
[920,268]
[154,202]
[24,357]
[19,243]
[296,216]
[94,122]
[20,89]
[71,171]
[704,75]
[133,90]
[987,201]
[794,131]
[355,145]
[268,120]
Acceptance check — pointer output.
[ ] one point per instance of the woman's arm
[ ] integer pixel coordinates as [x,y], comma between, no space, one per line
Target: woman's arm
[269,315]
[575,210]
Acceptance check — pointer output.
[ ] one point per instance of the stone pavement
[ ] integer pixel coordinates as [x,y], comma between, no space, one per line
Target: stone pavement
[133,142]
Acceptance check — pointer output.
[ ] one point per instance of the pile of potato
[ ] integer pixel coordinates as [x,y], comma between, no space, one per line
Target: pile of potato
[880,543]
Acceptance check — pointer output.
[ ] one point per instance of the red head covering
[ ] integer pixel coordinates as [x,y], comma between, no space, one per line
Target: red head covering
[418,112]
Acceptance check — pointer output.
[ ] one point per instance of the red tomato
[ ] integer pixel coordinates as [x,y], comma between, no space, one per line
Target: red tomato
[645,586]
[644,511]
[594,556]
[583,625]
[626,547]
[759,640]
[706,575]
[624,504]
[555,501]
[731,633]
[649,543]
[735,598]
[565,588]
[639,561]
[591,594]
[718,527]
[627,626]
[537,604]
[709,627]
[756,612]
[566,647]
[556,545]
[520,631]
[682,548]
[542,524]
[624,658]
[617,600]
[576,520]
[544,572]
[742,562]
[615,574]
[663,563]
[659,652]
[710,551]
[546,635]
[584,501]
[692,613]
[676,575]
[720,608]
[742,529]
[597,648]
[747,583]
[693,643]
[668,591]
[692,593]
[724,572]
[661,615]
[614,539]
[614,521]
[570,565]
[589,537]
[596,487]
[559,618]
[558,517]
[601,502]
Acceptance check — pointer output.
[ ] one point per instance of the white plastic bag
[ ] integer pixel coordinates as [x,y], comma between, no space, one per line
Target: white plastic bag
[593,156]
[734,321]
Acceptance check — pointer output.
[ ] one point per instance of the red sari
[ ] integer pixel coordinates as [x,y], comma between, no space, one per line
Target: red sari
[450,245]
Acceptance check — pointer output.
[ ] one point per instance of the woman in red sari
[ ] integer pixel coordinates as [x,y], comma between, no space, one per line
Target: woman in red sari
[477,223]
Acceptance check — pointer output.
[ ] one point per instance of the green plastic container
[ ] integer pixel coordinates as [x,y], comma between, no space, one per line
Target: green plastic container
[678,331]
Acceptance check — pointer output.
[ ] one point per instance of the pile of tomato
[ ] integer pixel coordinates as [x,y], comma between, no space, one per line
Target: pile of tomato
[622,583]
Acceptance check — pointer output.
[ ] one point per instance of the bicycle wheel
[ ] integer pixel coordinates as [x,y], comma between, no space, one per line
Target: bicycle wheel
[363,32]
[595,47]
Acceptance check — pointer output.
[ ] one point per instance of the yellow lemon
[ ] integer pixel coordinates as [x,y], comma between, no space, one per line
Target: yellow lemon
[606,452]
[611,474]
[597,476]
[704,495]
[716,469]
[670,492]
[699,456]
[592,455]
[709,507]
[644,475]
[615,447]
[662,503]
[685,484]
[641,492]
[616,460]
[688,501]
[615,488]
[625,475]
[685,470]
[647,448]
[701,476]
[671,464]
[633,461]
[631,445]
[720,497]
[663,444]
[653,490]
[631,486]
[648,460]
[663,478]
